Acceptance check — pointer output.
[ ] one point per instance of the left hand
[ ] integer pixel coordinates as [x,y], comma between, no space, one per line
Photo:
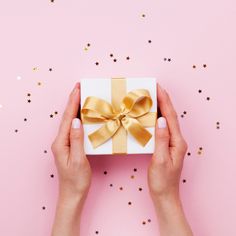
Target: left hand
[68,148]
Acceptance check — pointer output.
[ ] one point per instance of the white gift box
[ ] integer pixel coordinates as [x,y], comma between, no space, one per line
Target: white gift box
[101,88]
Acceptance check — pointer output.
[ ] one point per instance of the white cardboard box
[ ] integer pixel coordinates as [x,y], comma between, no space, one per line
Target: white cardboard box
[101,88]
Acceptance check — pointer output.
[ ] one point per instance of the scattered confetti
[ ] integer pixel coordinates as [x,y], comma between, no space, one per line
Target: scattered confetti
[183,114]
[25,119]
[167,59]
[144,222]
[199,91]
[132,176]
[105,172]
[204,65]
[200,149]
[135,169]
[140,189]
[97,63]
[111,185]
[208,98]
[189,153]
[127,58]
[115,60]
[52,176]
[45,151]
[217,124]
[184,180]
[149,220]
[29,101]
[43,207]
[96,232]
[111,55]
[129,203]
[50,69]
[16,130]
[51,116]
[121,188]
[149,41]
[143,15]
[39,83]
[194,66]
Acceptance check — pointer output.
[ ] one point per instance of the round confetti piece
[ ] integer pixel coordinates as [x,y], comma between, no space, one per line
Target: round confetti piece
[43,207]
[96,232]
[111,185]
[189,154]
[135,169]
[140,189]
[129,203]
[111,55]
[121,188]
[204,65]
[184,180]
[52,176]
[199,90]
[115,60]
[149,41]
[105,172]
[97,63]
[194,66]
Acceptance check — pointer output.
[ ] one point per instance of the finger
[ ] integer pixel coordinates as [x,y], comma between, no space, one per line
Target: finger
[70,113]
[162,140]
[168,111]
[77,140]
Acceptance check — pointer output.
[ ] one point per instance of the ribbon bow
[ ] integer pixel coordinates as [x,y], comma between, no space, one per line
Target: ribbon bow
[134,107]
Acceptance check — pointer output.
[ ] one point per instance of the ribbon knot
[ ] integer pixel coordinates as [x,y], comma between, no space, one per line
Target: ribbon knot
[133,115]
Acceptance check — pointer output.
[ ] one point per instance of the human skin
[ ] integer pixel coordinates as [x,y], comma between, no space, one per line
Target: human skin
[164,172]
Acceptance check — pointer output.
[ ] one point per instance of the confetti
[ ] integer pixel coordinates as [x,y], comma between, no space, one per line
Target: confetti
[115,60]
[194,66]
[218,125]
[35,68]
[96,232]
[43,207]
[39,83]
[129,203]
[105,172]
[127,58]
[184,180]
[52,176]
[50,69]
[97,63]
[149,41]
[204,65]
[140,189]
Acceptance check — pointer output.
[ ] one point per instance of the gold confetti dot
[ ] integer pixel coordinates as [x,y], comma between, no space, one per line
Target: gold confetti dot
[35,68]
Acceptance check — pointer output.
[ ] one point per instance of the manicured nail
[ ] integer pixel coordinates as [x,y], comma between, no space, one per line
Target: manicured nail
[161,122]
[76,123]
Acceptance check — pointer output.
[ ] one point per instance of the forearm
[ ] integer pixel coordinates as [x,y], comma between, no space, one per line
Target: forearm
[171,217]
[67,217]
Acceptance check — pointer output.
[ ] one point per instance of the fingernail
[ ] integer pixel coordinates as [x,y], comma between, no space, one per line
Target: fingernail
[76,123]
[161,122]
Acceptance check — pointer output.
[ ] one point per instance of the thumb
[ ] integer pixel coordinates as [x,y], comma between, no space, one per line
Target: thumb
[77,139]
[162,139]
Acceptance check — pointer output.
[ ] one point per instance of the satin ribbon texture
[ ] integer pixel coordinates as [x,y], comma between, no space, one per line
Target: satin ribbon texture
[133,115]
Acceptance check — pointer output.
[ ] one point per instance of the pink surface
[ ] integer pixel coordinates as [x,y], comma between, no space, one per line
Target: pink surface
[47,35]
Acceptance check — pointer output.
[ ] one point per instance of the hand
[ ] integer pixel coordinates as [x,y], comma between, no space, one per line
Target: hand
[73,168]
[165,170]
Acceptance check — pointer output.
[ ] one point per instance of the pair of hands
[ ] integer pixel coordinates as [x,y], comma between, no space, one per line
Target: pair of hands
[163,174]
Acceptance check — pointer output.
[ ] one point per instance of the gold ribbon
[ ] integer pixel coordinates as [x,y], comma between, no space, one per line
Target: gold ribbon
[130,115]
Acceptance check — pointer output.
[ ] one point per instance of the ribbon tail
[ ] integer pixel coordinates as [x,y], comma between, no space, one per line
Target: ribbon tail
[136,130]
[104,133]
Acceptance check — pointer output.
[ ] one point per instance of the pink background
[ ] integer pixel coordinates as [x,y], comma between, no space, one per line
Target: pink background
[47,35]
